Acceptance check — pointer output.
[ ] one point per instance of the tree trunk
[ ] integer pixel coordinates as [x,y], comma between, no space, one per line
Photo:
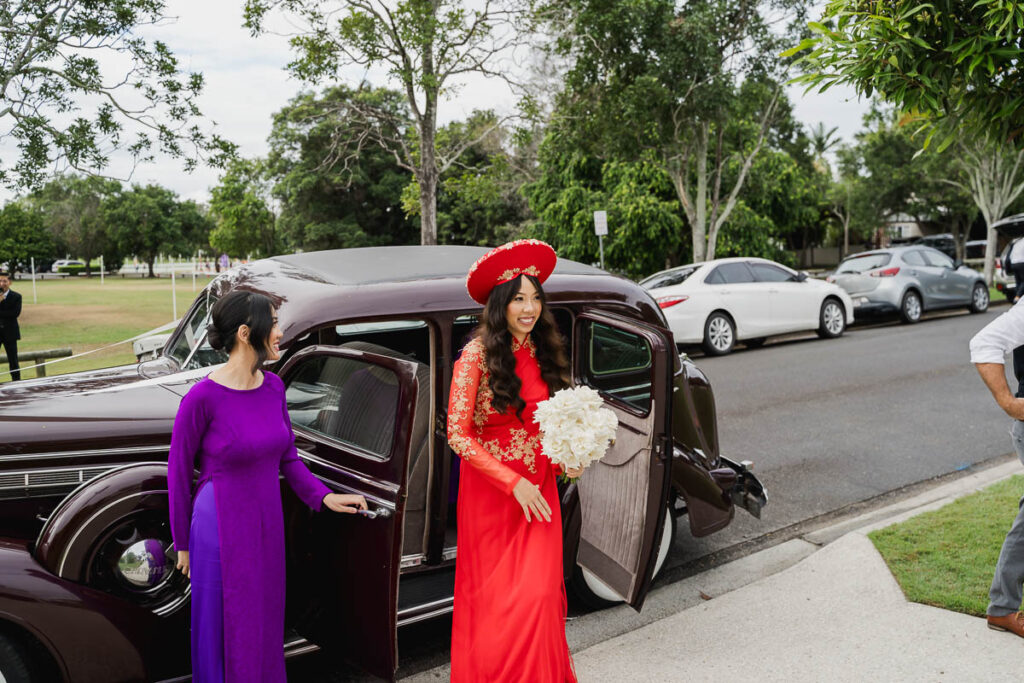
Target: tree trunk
[699,222]
[150,264]
[428,206]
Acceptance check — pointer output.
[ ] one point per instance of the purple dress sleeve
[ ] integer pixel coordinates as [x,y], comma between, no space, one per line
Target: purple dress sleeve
[189,425]
[308,488]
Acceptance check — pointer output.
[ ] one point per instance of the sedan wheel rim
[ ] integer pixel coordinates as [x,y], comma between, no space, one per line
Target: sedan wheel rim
[720,333]
[913,307]
[833,319]
[980,298]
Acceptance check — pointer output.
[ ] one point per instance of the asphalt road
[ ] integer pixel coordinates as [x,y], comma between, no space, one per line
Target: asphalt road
[829,424]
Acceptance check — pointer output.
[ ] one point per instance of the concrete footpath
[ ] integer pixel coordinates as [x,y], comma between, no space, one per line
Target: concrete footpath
[816,608]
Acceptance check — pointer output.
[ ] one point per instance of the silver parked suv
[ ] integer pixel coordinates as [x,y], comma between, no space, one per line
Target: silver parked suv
[909,281]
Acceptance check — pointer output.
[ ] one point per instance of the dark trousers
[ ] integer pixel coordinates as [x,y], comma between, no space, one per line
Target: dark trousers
[11,349]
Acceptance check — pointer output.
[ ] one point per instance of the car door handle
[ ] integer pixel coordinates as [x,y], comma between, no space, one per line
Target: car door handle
[914,273]
[383,513]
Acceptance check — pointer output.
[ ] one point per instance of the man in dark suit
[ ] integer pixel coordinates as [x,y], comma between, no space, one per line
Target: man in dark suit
[10,333]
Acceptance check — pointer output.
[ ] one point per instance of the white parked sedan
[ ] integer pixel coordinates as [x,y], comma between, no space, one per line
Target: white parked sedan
[720,302]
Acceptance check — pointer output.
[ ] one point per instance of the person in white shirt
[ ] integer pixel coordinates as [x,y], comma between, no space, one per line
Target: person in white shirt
[988,352]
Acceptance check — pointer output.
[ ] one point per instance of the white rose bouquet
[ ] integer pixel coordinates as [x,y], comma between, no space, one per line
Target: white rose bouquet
[576,428]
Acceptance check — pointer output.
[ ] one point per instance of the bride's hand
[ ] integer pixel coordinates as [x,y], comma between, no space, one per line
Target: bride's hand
[532,501]
[574,472]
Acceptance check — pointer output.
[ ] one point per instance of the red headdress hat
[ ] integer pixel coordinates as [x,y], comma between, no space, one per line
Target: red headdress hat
[507,262]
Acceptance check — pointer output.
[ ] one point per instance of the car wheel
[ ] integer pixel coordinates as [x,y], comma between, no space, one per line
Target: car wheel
[979,299]
[15,661]
[831,319]
[755,343]
[910,307]
[594,594]
[719,334]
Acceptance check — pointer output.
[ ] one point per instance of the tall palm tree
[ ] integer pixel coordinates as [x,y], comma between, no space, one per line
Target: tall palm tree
[821,142]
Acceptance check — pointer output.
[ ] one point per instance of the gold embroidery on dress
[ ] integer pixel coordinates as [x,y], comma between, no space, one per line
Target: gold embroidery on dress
[528,344]
[522,446]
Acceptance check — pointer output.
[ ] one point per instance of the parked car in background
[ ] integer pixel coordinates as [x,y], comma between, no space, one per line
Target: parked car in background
[909,281]
[59,263]
[718,303]
[88,590]
[944,243]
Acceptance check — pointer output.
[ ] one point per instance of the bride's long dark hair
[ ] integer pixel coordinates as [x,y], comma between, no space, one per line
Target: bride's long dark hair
[497,340]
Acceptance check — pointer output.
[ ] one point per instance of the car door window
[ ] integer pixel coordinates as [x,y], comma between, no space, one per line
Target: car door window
[729,273]
[347,400]
[938,259]
[765,272]
[618,363]
[914,258]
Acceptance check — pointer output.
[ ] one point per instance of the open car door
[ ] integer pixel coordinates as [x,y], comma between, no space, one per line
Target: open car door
[352,413]
[622,497]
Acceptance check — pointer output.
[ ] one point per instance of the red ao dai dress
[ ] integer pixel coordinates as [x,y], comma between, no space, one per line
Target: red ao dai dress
[510,606]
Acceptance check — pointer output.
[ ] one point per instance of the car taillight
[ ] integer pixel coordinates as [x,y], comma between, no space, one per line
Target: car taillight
[667,301]
[887,272]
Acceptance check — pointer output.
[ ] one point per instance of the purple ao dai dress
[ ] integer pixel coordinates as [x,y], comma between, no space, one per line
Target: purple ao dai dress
[233,525]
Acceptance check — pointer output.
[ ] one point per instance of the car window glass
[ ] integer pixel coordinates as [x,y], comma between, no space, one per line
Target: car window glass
[348,400]
[193,332]
[731,273]
[914,258]
[766,272]
[618,363]
[862,264]
[668,278]
[935,258]
[715,278]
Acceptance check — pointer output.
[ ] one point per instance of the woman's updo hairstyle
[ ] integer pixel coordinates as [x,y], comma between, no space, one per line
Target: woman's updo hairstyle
[239,308]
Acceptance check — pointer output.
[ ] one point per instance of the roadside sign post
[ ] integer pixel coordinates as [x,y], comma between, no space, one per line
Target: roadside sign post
[101,269]
[601,229]
[34,299]
[174,295]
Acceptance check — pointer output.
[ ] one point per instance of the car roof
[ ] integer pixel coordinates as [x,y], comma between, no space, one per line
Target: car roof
[715,262]
[317,288]
[374,265]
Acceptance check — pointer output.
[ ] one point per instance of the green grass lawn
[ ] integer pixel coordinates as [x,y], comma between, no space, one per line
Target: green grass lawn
[946,557]
[82,314]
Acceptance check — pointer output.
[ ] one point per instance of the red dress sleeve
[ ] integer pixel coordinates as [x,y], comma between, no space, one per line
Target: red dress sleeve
[461,404]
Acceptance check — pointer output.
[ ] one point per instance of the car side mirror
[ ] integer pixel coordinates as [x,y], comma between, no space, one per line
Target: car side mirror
[801,276]
[957,264]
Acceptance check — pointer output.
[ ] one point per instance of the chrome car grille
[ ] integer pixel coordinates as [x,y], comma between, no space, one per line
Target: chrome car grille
[13,484]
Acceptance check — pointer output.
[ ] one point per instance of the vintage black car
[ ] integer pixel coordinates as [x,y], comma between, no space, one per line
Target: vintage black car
[88,590]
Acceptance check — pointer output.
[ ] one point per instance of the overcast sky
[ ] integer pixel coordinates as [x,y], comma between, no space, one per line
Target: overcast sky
[246,83]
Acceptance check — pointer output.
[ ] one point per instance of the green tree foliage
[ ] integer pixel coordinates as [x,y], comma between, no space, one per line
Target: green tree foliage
[644,220]
[479,201]
[668,83]
[425,46]
[57,54]
[71,206]
[23,236]
[148,221]
[957,64]
[885,174]
[333,197]
[244,223]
